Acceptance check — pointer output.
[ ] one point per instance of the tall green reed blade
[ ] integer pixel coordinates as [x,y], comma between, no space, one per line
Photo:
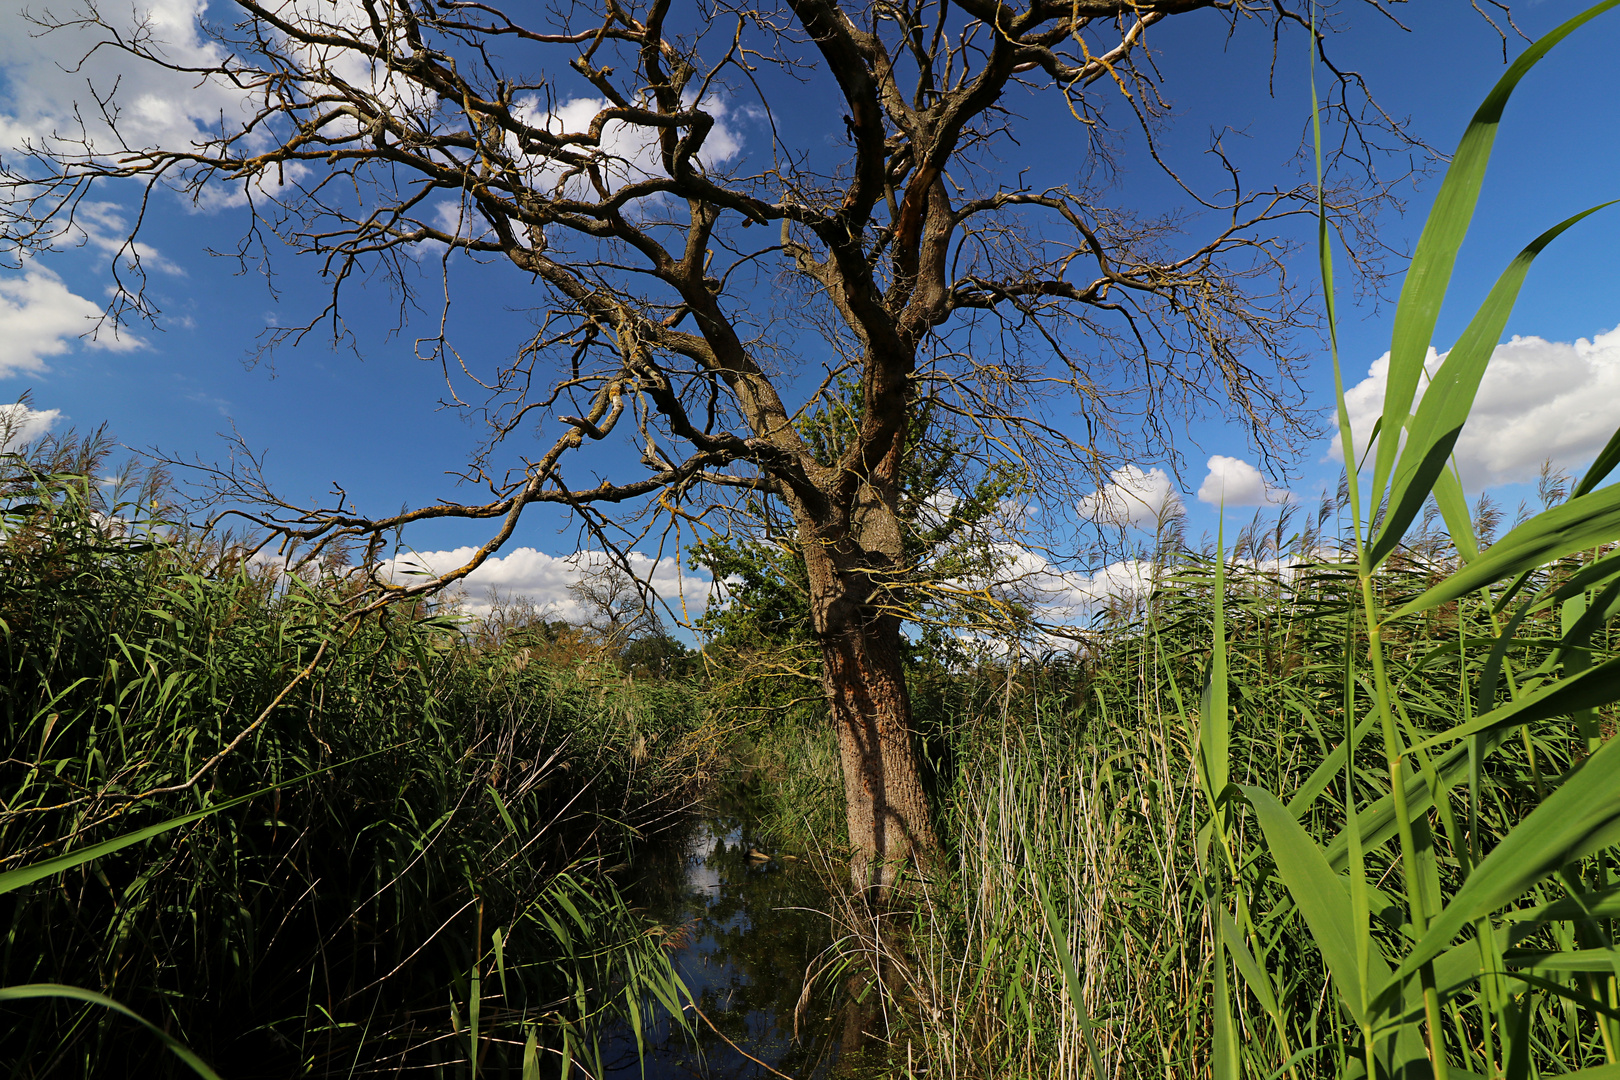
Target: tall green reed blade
[74,993]
[1430,273]
[1433,431]
[27,875]
[1227,1063]
[1430,435]
[1214,770]
[1357,893]
[1214,714]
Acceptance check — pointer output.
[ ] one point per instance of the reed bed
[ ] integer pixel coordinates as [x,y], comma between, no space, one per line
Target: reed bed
[417,876]
[1341,803]
[1340,799]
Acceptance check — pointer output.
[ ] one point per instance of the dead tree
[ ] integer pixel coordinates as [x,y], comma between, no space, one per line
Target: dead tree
[700,301]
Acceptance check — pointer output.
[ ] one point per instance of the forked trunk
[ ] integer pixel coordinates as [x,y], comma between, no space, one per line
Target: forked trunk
[890,829]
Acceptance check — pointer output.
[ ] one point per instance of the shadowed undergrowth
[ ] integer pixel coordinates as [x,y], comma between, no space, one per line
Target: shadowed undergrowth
[442,880]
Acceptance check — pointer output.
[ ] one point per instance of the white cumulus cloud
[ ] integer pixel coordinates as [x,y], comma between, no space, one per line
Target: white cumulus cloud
[21,425]
[1058,596]
[41,317]
[527,574]
[1133,497]
[1074,598]
[1234,482]
[1540,400]
[630,153]
[47,73]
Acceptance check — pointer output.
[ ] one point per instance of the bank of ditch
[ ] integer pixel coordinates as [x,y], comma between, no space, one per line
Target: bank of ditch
[430,866]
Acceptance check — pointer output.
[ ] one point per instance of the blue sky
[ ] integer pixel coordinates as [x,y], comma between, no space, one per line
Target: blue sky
[370,420]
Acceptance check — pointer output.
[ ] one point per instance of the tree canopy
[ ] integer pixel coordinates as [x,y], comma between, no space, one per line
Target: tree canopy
[698,302]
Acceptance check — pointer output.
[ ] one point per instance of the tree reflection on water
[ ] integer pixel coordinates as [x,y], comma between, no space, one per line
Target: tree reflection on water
[747,929]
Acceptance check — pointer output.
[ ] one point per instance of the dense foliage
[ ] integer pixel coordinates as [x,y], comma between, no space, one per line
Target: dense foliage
[1339,800]
[433,809]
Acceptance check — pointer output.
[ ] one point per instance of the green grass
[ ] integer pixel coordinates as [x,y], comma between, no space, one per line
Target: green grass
[1345,799]
[1341,800]
[413,796]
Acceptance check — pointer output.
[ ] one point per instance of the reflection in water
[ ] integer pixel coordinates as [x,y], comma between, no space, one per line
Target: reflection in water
[748,928]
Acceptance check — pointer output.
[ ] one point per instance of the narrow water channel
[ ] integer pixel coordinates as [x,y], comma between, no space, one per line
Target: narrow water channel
[750,925]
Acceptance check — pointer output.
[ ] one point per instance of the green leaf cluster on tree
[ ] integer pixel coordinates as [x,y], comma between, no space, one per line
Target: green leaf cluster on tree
[760,649]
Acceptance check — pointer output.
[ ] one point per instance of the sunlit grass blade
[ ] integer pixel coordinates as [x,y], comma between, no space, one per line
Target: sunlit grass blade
[74,993]
[1600,468]
[1215,712]
[1596,1072]
[1453,505]
[1541,963]
[1604,904]
[531,1056]
[1586,522]
[1430,272]
[1254,975]
[1226,1057]
[1433,430]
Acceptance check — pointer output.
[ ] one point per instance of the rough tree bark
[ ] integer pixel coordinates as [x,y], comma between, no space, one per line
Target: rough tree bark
[910,261]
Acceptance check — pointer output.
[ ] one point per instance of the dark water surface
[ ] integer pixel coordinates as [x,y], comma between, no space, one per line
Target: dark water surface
[750,925]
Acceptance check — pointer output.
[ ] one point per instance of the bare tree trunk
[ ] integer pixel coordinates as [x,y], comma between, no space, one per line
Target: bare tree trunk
[854,558]
[890,829]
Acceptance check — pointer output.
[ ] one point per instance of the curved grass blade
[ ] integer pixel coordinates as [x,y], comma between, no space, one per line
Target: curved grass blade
[1442,237]
[1604,464]
[1448,496]
[1215,711]
[1433,431]
[1603,904]
[1587,690]
[57,990]
[1253,974]
[1575,960]
[1580,817]
[1586,522]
